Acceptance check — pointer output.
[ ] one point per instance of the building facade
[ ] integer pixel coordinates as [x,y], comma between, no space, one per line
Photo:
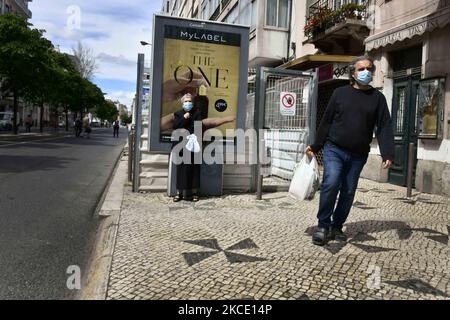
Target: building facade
[410,41]
[16,6]
[275,25]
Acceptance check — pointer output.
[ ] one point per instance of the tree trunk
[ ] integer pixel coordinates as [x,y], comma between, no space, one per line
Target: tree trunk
[41,118]
[67,120]
[15,110]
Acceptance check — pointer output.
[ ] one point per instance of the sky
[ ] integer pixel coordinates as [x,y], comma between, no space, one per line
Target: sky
[113,30]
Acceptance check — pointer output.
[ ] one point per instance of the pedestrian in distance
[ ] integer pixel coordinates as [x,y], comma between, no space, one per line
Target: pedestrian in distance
[28,123]
[345,134]
[116,128]
[87,127]
[78,127]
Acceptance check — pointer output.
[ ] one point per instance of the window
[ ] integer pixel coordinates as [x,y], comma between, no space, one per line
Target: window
[213,6]
[205,10]
[277,13]
[247,9]
[233,15]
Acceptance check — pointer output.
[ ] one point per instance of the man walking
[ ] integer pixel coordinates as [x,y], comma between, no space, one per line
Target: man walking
[345,134]
[78,127]
[116,128]
[87,127]
[28,123]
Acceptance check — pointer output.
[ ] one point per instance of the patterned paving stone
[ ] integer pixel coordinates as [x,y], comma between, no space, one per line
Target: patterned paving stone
[235,247]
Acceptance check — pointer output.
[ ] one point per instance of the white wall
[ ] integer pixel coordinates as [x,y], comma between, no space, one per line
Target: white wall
[299,10]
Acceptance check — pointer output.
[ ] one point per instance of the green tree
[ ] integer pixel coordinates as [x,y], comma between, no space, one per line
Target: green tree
[66,77]
[126,119]
[31,68]
[46,72]
[19,54]
[107,111]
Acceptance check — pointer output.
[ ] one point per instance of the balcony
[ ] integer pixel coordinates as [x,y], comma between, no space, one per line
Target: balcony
[337,30]
[22,5]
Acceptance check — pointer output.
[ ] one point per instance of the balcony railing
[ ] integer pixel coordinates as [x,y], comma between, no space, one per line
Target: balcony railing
[324,14]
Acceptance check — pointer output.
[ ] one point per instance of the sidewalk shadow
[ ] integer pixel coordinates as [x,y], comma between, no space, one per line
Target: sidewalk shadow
[34,144]
[99,140]
[18,164]
[404,231]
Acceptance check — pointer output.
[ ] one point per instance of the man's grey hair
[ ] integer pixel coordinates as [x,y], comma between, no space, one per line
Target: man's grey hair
[352,66]
[187,95]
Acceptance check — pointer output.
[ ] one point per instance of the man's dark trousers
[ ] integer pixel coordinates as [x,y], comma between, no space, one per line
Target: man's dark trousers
[116,132]
[341,174]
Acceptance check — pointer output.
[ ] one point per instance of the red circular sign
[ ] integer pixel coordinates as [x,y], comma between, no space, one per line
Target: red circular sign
[288,100]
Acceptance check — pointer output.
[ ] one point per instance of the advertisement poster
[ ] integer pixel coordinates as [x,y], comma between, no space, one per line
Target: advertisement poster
[203,63]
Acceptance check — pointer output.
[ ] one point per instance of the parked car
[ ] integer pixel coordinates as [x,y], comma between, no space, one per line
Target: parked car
[6,121]
[95,124]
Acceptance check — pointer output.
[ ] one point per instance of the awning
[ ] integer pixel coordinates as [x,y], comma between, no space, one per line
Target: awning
[312,61]
[417,27]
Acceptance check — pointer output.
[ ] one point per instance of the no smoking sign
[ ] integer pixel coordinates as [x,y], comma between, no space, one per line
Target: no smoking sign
[288,103]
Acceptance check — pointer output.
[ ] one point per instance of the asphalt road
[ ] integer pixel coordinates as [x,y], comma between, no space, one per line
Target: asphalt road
[49,190]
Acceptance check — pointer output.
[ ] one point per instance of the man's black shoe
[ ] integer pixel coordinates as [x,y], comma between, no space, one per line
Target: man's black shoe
[320,237]
[338,235]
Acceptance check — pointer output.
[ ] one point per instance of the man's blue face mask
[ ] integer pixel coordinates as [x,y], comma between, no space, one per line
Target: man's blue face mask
[187,106]
[364,77]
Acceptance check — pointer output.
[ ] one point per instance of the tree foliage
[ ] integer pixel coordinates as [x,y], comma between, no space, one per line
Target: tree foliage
[31,69]
[107,111]
[125,119]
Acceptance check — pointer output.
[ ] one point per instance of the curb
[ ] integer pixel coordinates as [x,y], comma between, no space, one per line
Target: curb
[95,284]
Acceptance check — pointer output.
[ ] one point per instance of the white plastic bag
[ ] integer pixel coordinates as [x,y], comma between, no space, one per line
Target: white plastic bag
[192,144]
[306,179]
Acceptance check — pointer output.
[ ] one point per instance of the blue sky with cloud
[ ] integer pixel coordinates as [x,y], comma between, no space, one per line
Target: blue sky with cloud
[112,29]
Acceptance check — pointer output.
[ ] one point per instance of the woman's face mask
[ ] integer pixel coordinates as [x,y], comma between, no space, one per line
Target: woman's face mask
[187,106]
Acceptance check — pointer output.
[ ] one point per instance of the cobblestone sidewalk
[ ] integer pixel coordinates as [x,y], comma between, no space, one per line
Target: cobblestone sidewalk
[235,247]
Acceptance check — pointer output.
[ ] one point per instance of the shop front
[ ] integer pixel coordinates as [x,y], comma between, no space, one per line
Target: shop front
[412,69]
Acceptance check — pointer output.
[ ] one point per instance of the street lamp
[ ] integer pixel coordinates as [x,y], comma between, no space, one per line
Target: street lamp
[144,43]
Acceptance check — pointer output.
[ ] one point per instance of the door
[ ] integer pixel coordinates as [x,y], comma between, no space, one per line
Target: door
[404,119]
[285,110]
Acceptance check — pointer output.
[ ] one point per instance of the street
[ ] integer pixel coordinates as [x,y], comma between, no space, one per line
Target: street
[49,190]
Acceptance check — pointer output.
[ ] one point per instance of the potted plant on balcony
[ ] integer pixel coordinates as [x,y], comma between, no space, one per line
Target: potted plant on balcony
[317,24]
[352,11]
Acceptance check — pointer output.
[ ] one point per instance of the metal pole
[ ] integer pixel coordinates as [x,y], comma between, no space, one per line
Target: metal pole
[260,178]
[409,178]
[258,124]
[130,155]
[138,123]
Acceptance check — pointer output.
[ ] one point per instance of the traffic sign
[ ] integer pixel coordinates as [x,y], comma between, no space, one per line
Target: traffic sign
[288,103]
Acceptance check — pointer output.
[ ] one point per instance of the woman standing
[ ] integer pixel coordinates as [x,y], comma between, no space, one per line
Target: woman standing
[188,174]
